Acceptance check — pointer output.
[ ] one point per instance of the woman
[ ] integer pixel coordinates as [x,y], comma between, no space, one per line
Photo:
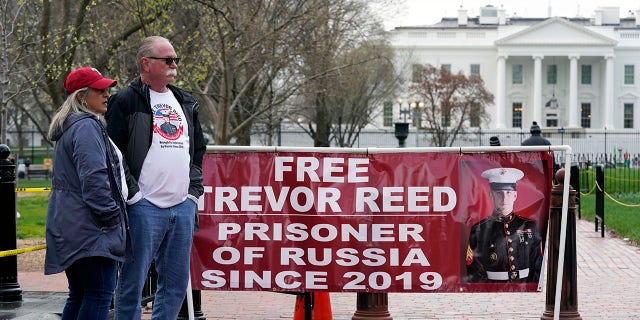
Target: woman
[86,217]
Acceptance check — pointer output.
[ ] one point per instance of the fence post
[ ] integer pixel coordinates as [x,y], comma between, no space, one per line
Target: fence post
[600,198]
[569,294]
[372,306]
[9,288]
[574,180]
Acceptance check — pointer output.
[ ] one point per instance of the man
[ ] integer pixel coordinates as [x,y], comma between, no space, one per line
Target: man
[535,139]
[164,180]
[504,247]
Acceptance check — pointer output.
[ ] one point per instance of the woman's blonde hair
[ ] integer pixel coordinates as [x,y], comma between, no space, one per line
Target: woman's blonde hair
[75,103]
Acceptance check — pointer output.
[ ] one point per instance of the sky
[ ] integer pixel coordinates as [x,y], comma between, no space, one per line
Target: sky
[424,12]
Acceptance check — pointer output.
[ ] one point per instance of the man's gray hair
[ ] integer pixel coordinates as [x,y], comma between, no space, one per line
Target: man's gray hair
[148,49]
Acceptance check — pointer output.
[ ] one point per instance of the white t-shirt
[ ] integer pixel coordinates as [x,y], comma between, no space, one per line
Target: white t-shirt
[164,179]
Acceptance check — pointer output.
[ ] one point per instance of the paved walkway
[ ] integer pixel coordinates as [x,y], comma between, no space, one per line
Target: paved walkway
[608,282]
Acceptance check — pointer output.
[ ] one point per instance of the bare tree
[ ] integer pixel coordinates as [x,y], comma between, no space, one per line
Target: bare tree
[252,63]
[360,89]
[452,102]
[246,48]
[339,27]
[12,52]
[43,40]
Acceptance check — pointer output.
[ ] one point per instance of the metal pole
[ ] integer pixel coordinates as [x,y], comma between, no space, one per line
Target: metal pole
[600,198]
[32,143]
[575,184]
[9,288]
[197,307]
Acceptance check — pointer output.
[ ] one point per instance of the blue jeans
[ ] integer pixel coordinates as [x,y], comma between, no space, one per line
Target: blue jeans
[91,284]
[163,235]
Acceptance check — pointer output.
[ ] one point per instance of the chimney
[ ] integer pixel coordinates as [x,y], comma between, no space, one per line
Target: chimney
[502,17]
[462,17]
[598,17]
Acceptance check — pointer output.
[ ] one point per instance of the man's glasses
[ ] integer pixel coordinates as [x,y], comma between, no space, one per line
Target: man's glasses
[168,61]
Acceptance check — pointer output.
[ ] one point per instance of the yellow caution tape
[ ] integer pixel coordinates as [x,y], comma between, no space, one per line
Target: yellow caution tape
[33,189]
[16,252]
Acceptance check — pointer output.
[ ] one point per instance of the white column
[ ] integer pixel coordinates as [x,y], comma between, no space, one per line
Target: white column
[537,88]
[501,89]
[573,91]
[608,93]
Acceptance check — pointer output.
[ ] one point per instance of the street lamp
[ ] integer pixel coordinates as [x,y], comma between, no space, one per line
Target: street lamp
[402,128]
[404,112]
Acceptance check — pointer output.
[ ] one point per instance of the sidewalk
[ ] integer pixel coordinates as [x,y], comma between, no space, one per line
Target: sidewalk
[608,281]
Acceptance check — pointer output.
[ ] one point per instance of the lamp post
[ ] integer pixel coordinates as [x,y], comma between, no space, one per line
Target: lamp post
[404,112]
[402,128]
[416,114]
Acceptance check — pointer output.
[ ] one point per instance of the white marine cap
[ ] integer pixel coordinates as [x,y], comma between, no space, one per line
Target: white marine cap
[503,178]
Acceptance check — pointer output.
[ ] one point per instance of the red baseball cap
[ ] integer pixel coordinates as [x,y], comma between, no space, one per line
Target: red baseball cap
[87,77]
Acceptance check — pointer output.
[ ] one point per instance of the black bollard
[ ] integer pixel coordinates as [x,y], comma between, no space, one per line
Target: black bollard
[372,306]
[574,180]
[569,295]
[600,199]
[9,288]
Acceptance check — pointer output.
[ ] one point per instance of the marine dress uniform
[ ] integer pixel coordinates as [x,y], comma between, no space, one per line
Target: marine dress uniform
[504,247]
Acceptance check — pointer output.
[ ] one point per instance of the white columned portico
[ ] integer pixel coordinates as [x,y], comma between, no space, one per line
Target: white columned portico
[537,88]
[573,90]
[501,89]
[608,93]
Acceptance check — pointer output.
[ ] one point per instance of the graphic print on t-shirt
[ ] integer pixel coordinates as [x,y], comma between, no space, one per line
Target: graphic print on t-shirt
[166,122]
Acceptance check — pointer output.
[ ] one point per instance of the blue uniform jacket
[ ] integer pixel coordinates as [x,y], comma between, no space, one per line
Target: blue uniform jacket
[504,249]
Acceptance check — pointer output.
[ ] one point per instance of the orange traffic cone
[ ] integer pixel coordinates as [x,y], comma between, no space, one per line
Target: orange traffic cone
[318,306]
[322,306]
[298,311]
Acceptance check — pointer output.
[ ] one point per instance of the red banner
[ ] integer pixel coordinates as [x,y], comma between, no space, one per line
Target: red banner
[385,222]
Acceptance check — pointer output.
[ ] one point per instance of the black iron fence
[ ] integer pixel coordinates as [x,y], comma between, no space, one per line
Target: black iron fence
[618,151]
[582,141]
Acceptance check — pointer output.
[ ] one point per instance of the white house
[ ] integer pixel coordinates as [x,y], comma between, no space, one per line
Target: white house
[574,73]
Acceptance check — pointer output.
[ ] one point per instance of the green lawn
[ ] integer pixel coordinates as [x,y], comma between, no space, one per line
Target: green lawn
[35,183]
[33,213]
[621,215]
[32,208]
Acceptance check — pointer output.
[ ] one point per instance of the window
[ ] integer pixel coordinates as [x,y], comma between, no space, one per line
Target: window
[585,77]
[445,119]
[416,72]
[628,74]
[516,118]
[585,115]
[387,114]
[516,74]
[552,122]
[475,70]
[446,67]
[474,116]
[488,11]
[628,115]
[552,74]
